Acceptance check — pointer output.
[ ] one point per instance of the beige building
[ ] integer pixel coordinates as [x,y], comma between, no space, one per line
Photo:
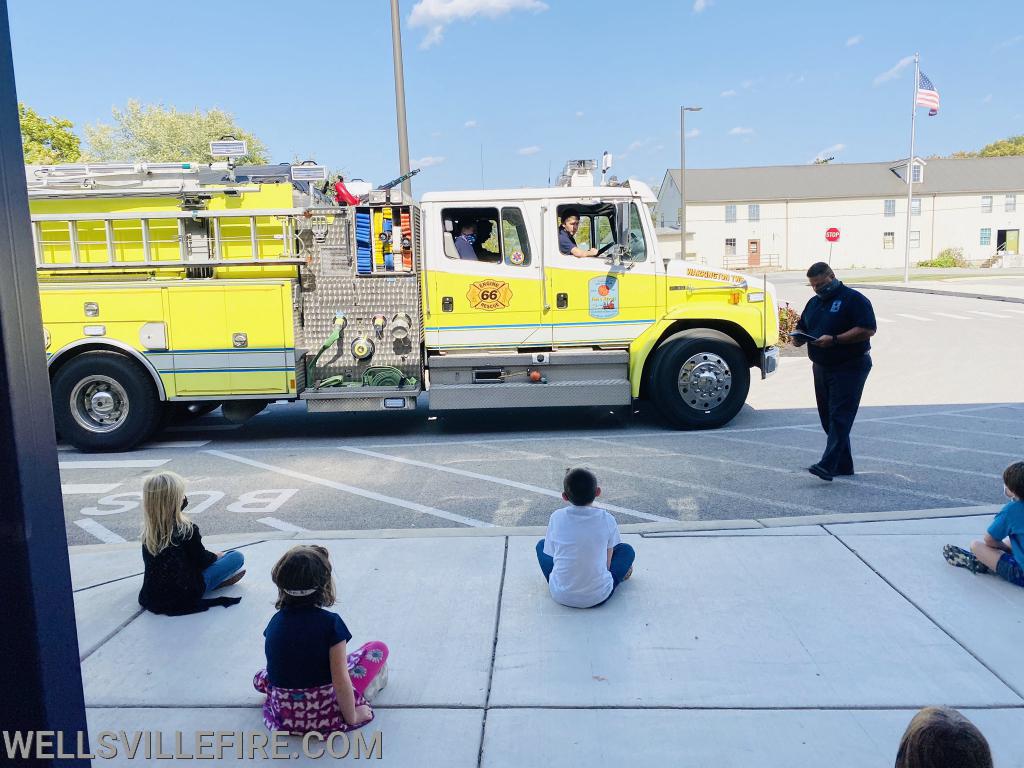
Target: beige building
[777,216]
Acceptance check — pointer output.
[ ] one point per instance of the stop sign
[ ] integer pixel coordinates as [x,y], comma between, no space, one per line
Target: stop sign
[832,234]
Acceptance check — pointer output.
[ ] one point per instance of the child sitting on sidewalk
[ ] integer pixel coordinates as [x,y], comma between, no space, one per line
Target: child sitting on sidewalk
[994,553]
[582,556]
[311,681]
[179,570]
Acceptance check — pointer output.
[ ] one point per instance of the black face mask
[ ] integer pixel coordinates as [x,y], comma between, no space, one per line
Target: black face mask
[828,290]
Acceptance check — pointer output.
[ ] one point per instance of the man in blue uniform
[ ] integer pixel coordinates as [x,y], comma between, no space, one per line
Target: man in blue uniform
[567,237]
[841,321]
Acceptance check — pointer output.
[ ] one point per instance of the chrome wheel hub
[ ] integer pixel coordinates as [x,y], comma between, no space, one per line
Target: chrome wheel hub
[99,404]
[705,380]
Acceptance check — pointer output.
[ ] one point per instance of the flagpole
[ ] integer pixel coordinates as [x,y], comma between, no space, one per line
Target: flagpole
[910,167]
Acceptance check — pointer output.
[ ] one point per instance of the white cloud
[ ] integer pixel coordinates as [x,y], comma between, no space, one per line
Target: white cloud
[894,72]
[435,15]
[579,114]
[987,99]
[434,36]
[471,124]
[426,162]
[531,150]
[830,151]
[747,84]
[739,130]
[728,93]
[855,40]
[1010,43]
[436,134]
[693,133]
[700,5]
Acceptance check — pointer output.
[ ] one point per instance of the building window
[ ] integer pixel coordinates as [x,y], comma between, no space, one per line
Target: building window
[916,173]
[730,246]
[986,203]
[730,214]
[1010,205]
[890,208]
[915,238]
[888,240]
[754,212]
[915,206]
[986,236]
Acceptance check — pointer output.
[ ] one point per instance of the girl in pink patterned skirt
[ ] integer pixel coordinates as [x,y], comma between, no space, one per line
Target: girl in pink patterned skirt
[312,682]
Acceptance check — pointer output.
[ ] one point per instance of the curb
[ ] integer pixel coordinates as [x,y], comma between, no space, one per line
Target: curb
[256,537]
[936,291]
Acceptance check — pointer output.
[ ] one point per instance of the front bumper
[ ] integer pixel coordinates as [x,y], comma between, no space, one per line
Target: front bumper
[769,361]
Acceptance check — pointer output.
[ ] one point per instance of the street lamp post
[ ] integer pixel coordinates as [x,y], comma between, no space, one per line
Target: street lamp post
[403,129]
[682,177]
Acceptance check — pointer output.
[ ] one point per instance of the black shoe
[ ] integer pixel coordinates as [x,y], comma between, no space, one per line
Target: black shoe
[961,558]
[818,471]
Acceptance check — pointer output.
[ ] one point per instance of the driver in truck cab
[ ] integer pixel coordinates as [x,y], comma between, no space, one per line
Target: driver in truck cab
[567,237]
[465,241]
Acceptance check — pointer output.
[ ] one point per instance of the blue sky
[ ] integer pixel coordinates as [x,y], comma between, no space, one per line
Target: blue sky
[535,83]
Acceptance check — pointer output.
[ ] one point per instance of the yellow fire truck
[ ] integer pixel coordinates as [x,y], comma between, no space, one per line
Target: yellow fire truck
[172,288]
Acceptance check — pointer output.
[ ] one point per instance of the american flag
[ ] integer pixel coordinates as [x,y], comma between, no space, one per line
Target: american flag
[927,96]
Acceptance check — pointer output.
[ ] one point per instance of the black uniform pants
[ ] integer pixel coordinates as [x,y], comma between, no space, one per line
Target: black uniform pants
[837,389]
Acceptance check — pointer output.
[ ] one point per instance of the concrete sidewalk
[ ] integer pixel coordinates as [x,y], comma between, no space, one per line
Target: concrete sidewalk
[795,645]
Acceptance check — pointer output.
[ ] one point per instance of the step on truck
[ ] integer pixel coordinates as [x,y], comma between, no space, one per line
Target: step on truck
[169,289]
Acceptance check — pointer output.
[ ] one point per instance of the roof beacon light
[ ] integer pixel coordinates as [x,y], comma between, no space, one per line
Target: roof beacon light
[229,147]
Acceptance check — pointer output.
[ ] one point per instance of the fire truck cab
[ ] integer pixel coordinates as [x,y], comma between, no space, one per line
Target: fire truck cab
[169,289]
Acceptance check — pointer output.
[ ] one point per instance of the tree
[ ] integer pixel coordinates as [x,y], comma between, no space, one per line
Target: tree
[46,141]
[1014,145]
[158,134]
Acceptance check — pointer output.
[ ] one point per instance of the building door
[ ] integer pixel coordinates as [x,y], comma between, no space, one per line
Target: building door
[753,253]
[1008,241]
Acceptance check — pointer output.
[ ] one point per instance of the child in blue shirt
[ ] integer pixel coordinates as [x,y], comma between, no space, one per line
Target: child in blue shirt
[994,553]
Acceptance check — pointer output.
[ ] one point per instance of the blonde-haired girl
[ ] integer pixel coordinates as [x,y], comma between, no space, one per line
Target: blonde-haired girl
[179,569]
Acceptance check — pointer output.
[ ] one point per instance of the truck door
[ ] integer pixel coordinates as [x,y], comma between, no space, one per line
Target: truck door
[483,278]
[593,299]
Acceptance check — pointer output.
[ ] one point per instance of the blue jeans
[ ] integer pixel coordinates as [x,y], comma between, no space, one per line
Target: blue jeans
[622,560]
[223,568]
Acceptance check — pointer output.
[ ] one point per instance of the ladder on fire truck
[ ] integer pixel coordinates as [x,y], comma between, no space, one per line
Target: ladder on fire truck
[197,235]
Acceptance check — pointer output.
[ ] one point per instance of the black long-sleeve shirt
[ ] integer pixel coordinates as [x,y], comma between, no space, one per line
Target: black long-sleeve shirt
[173,582]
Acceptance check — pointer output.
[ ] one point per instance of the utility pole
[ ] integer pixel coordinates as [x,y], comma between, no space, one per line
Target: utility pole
[682,177]
[403,128]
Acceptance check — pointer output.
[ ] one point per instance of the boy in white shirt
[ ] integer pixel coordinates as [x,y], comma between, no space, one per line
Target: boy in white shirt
[582,556]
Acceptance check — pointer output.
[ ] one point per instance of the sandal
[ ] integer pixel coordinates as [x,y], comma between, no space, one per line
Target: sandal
[233,579]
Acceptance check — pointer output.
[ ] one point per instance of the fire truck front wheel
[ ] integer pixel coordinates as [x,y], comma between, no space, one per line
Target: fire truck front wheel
[102,401]
[699,383]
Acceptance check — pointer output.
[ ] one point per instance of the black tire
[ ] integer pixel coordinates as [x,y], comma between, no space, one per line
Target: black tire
[690,407]
[87,424]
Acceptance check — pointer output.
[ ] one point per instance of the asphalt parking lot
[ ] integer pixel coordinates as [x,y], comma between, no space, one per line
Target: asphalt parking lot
[942,416]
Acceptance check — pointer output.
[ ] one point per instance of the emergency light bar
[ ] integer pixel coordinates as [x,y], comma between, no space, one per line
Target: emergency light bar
[229,148]
[309,173]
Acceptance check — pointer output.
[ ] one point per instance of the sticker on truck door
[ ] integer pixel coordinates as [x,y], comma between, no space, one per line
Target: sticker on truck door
[489,295]
[604,297]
